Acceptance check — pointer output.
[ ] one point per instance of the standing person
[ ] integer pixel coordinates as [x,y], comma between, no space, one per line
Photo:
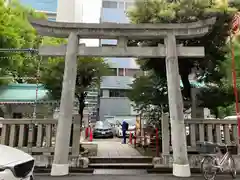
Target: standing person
[124,129]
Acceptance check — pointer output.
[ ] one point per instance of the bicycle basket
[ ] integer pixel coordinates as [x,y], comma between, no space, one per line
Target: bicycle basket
[206,148]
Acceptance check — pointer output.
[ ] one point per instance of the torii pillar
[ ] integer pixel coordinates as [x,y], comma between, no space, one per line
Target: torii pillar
[66,12]
[180,159]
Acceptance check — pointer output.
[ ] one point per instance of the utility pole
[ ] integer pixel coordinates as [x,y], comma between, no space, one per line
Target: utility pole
[181,166]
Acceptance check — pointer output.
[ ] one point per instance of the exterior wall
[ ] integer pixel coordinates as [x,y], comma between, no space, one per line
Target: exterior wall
[91,11]
[114,106]
[114,119]
[114,11]
[110,106]
[116,15]
[41,5]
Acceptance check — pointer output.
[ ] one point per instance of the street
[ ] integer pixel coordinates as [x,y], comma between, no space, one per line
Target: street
[128,177]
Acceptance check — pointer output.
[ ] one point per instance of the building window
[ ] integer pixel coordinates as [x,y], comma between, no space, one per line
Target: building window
[52,19]
[109,4]
[121,5]
[133,72]
[121,72]
[104,93]
[129,4]
[109,45]
[117,93]
[113,72]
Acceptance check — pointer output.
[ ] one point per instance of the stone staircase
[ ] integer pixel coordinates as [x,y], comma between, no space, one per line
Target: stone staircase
[121,162]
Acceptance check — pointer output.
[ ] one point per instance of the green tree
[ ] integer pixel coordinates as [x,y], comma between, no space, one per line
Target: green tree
[149,94]
[89,73]
[148,90]
[227,106]
[214,97]
[226,66]
[184,11]
[17,32]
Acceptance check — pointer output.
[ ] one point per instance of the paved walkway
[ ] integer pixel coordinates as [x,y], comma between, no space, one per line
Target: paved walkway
[114,148]
[129,177]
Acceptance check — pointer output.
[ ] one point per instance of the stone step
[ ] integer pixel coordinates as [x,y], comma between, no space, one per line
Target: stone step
[120,171]
[120,165]
[121,159]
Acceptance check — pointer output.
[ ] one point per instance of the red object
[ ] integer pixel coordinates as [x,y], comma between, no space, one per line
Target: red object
[91,135]
[234,78]
[157,146]
[235,29]
[135,138]
[235,23]
[130,138]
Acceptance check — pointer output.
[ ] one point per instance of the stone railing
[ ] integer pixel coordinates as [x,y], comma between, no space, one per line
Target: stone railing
[37,136]
[199,130]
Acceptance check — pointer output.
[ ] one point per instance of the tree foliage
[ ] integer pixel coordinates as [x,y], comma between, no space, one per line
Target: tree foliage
[184,11]
[17,32]
[89,73]
[148,90]
[225,93]
[214,69]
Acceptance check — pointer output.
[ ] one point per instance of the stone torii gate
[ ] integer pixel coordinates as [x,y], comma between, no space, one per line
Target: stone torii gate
[123,33]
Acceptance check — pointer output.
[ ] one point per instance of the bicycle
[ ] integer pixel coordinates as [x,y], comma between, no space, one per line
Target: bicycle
[213,152]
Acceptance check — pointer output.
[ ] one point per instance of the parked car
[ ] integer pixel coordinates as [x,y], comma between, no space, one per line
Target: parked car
[230,118]
[1,125]
[15,164]
[131,129]
[103,129]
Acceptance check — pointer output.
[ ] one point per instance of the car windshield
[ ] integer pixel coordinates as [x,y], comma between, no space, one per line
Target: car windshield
[102,125]
[130,122]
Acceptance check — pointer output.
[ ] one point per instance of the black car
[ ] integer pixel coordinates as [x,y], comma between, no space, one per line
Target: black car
[102,130]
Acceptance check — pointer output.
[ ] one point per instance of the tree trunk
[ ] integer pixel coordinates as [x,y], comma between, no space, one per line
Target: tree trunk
[81,99]
[215,112]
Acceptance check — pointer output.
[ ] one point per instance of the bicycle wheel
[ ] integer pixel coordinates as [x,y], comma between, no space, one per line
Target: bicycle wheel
[209,172]
[232,167]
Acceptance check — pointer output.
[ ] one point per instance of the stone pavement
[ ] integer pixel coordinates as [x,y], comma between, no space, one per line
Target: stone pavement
[114,148]
[119,171]
[128,177]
